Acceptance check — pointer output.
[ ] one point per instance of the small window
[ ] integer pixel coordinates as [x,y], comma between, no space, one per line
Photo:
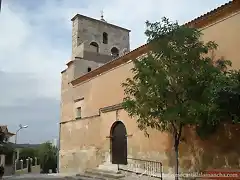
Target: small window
[89,69]
[105,38]
[79,112]
[95,46]
[114,52]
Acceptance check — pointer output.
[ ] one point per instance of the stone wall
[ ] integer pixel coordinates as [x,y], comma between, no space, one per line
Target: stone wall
[8,170]
[35,170]
[85,29]
[90,146]
[81,67]
[84,142]
[67,108]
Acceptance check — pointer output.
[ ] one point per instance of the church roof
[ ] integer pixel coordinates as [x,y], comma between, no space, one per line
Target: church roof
[216,14]
[199,22]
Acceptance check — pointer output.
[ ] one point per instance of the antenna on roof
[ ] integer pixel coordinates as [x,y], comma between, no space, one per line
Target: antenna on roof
[102,19]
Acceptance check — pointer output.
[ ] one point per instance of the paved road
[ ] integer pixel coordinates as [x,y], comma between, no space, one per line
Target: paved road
[42,176]
[71,177]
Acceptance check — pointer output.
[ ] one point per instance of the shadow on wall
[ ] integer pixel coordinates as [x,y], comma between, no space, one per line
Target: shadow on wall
[219,151]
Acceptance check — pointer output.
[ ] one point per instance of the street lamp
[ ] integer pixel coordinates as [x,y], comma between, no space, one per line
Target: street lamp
[20,127]
[14,154]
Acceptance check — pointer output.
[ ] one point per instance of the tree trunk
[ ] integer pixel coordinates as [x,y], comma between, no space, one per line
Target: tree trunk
[1,171]
[177,136]
[177,162]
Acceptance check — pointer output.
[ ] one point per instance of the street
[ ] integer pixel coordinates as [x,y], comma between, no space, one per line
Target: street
[73,177]
[44,176]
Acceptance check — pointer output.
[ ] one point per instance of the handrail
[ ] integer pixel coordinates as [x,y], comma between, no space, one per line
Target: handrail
[145,160]
[144,167]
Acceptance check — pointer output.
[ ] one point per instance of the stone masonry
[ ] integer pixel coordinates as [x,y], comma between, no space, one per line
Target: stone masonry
[90,107]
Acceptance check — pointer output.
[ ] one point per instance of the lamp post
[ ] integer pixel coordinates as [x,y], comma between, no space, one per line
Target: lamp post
[20,127]
[14,155]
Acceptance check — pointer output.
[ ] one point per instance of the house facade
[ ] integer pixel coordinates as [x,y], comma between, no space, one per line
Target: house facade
[92,117]
[6,158]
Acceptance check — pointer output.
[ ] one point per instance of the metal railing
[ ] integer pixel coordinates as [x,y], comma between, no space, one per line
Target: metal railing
[143,167]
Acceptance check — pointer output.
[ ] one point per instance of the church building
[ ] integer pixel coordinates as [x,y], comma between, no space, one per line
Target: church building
[96,132]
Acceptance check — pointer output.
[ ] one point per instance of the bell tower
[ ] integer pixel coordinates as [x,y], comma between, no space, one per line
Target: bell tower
[103,36]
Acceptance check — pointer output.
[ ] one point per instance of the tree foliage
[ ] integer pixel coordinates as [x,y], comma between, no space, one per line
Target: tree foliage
[3,137]
[228,97]
[48,157]
[174,83]
[5,147]
[7,150]
[177,83]
[27,152]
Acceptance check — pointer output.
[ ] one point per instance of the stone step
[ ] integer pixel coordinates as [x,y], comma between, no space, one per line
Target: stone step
[88,177]
[103,174]
[108,167]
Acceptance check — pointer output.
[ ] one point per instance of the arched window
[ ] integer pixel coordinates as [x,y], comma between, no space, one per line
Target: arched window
[105,38]
[89,69]
[114,52]
[94,46]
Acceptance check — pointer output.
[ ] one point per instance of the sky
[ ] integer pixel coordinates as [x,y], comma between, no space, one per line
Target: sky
[35,45]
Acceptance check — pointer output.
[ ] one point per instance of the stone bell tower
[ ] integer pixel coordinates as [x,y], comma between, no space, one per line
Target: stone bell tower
[96,42]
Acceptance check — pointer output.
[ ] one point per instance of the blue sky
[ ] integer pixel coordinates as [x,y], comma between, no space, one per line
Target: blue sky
[35,44]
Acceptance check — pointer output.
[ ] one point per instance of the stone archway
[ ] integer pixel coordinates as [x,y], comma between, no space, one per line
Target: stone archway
[118,147]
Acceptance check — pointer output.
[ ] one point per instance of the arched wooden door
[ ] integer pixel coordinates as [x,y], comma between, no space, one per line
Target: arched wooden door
[119,143]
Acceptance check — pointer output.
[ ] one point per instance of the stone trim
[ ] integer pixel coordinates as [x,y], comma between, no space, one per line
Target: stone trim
[79,119]
[63,71]
[127,135]
[79,99]
[111,108]
[101,110]
[70,62]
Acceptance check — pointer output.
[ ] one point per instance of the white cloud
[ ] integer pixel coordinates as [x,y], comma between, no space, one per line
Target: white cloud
[35,43]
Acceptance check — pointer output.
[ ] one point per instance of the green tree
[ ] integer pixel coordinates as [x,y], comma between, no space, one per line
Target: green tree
[27,152]
[227,97]
[175,84]
[3,137]
[48,157]
[5,148]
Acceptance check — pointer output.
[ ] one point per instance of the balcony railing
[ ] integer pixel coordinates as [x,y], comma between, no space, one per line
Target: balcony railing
[143,167]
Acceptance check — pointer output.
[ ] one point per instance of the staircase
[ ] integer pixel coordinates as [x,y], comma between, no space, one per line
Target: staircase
[100,174]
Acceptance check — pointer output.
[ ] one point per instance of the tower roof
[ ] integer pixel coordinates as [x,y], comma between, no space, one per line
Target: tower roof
[100,21]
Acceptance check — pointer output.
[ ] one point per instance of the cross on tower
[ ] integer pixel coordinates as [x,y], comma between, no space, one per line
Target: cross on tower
[102,16]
